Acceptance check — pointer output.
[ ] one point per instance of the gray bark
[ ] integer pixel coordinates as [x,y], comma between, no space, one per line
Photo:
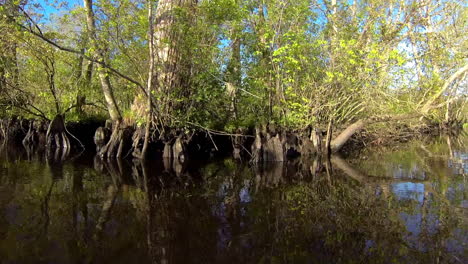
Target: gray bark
[150,81]
[103,73]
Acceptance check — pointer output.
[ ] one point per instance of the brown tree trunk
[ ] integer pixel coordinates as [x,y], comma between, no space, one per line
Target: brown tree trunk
[164,38]
[56,136]
[81,80]
[329,137]
[169,64]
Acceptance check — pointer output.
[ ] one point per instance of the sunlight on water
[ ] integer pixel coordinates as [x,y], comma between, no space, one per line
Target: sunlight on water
[400,205]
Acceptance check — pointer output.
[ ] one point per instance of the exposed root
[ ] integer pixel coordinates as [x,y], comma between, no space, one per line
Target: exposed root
[175,147]
[12,130]
[119,142]
[274,145]
[138,142]
[36,135]
[56,136]
[75,138]
[29,139]
[101,137]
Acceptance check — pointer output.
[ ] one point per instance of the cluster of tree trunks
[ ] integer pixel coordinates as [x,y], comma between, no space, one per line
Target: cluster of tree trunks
[46,135]
[36,134]
[168,68]
[114,140]
[56,136]
[14,130]
[278,145]
[117,140]
[175,148]
[164,143]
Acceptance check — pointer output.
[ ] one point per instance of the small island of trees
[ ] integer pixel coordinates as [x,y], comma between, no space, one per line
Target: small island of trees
[267,78]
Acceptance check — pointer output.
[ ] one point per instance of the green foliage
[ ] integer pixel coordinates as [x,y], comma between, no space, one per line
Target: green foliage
[287,62]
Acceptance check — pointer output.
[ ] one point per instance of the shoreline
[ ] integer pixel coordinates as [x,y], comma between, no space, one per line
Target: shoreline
[255,145]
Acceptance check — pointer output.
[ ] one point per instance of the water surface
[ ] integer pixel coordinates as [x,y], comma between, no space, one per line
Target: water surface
[406,204]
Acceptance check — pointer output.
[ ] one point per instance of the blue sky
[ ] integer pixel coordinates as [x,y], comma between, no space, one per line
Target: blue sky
[55,6]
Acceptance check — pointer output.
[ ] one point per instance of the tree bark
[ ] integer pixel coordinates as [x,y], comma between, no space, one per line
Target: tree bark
[103,73]
[428,106]
[56,136]
[169,64]
[118,139]
[344,136]
[233,72]
[329,137]
[150,81]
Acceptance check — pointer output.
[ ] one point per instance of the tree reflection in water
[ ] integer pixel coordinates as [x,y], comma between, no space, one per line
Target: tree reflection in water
[387,206]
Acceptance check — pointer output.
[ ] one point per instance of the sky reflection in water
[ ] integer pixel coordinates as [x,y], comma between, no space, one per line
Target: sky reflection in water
[401,205]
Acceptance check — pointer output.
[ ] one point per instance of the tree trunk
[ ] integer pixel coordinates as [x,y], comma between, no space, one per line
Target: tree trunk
[459,73]
[337,143]
[170,65]
[119,139]
[99,55]
[344,136]
[233,72]
[81,80]
[150,81]
[56,136]
[329,137]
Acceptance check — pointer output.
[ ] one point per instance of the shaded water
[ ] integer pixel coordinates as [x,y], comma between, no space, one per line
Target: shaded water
[402,205]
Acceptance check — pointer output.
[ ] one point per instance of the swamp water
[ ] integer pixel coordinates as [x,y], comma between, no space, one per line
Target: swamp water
[403,205]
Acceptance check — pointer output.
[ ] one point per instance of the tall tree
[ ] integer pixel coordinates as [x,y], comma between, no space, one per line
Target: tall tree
[99,54]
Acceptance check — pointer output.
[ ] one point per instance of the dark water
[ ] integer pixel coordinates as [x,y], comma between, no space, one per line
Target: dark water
[403,205]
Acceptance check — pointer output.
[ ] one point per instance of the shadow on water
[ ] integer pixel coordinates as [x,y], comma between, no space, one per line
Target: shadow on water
[401,205]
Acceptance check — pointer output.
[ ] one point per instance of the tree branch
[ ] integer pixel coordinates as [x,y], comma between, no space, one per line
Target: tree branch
[41,36]
[428,106]
[76,105]
[40,114]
